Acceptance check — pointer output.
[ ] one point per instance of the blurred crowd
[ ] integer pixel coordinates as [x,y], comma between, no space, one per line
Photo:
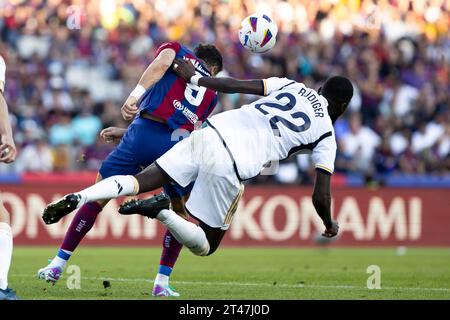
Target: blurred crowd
[72,63]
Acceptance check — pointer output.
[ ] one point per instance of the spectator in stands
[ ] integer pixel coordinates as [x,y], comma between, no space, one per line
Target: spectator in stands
[35,157]
[86,126]
[359,144]
[94,155]
[62,132]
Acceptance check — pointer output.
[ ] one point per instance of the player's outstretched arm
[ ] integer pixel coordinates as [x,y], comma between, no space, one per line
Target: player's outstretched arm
[322,202]
[186,71]
[260,87]
[231,85]
[7,146]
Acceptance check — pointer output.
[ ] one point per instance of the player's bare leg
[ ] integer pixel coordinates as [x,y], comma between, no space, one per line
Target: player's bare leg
[201,239]
[6,248]
[169,255]
[214,236]
[82,222]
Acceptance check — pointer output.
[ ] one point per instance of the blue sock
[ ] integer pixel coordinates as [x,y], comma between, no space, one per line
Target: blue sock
[165,270]
[64,254]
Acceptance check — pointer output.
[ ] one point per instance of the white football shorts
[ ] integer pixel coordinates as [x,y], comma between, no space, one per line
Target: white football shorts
[203,158]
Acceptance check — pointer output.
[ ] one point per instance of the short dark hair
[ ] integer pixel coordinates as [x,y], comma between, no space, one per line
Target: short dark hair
[209,54]
[337,89]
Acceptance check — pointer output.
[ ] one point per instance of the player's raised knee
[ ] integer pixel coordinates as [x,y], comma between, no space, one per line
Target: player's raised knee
[202,250]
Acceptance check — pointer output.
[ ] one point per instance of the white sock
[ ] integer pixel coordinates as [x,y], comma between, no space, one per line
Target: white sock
[59,261]
[187,233]
[6,248]
[110,188]
[162,280]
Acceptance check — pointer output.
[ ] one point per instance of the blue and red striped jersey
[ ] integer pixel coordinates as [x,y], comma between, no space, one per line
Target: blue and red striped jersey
[181,104]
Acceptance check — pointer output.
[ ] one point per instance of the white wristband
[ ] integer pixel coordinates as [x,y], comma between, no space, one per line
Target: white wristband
[194,79]
[138,92]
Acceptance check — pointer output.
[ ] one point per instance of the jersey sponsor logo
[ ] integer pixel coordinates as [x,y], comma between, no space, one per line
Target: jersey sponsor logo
[311,96]
[192,117]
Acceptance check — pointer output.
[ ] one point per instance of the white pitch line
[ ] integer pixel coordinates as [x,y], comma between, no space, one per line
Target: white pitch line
[257,284]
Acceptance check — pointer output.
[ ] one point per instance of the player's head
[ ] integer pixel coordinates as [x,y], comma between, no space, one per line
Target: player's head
[338,91]
[211,56]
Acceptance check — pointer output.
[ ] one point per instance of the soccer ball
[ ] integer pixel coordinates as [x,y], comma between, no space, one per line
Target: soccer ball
[258,33]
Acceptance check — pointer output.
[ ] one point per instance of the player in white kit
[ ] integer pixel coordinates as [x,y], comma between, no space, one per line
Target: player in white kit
[7,155]
[233,146]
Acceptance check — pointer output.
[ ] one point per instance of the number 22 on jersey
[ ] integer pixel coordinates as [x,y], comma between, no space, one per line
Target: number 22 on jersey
[287,116]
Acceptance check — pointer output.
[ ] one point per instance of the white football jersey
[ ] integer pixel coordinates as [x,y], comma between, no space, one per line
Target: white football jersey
[289,120]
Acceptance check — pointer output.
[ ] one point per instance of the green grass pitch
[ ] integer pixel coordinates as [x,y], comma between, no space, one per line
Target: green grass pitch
[242,273]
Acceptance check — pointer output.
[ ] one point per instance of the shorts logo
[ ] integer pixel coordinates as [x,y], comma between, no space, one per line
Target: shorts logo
[192,117]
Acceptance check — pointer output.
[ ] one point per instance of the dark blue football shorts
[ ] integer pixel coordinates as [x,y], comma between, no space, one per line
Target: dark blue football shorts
[144,142]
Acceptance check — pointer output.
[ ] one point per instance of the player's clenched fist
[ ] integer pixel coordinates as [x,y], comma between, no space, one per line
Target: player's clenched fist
[183,69]
[331,230]
[7,150]
[129,108]
[112,134]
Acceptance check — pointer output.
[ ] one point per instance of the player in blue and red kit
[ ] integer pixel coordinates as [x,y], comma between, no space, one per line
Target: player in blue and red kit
[165,108]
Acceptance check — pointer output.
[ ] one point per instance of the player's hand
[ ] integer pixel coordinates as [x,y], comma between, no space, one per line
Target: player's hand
[183,69]
[129,108]
[7,150]
[331,230]
[112,134]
